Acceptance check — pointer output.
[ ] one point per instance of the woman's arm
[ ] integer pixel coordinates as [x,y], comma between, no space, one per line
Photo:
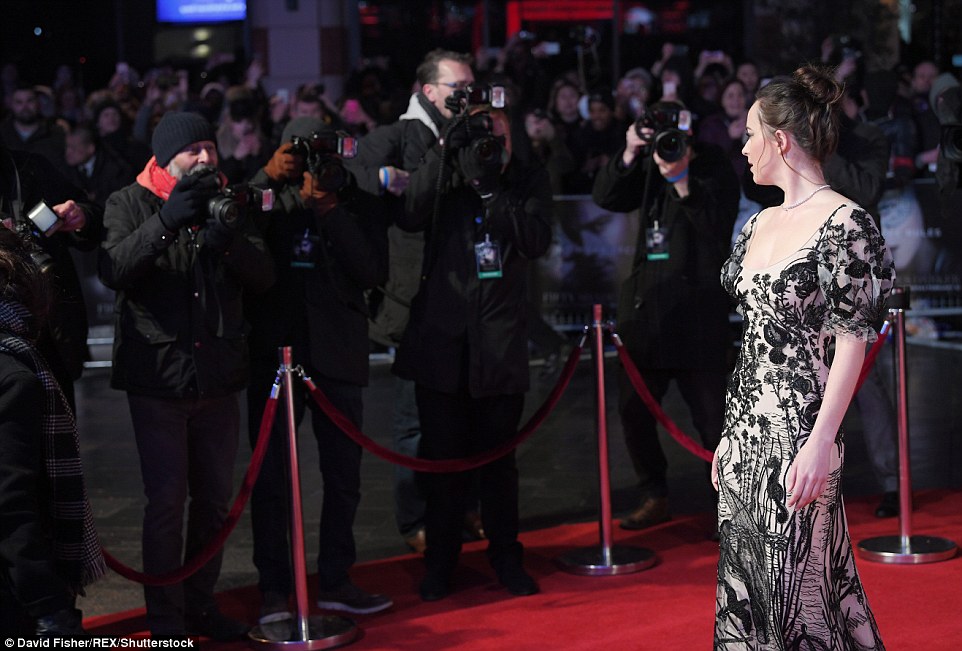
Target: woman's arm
[808,474]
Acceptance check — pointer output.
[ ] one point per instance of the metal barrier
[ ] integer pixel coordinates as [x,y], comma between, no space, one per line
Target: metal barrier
[904,548]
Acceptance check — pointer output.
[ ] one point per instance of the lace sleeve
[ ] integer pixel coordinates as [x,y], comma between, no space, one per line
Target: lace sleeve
[855,273]
[733,265]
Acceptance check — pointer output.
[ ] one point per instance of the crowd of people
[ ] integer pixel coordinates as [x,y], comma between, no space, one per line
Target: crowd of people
[424,242]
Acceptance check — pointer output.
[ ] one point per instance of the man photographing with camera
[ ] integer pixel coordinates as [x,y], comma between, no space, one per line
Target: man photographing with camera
[328,240]
[484,215]
[180,353]
[672,311]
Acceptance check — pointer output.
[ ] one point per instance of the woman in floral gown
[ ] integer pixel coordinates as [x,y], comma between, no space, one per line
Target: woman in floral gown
[807,274]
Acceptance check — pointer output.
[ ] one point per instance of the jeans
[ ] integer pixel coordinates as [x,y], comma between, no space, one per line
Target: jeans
[187,449]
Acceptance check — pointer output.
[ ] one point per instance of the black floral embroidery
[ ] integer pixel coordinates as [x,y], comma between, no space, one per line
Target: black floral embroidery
[787,579]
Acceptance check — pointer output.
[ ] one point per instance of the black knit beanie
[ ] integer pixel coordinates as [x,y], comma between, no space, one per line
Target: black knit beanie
[177,130]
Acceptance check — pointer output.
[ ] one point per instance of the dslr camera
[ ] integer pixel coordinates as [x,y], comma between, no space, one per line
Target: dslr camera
[236,201]
[670,122]
[470,105]
[322,155]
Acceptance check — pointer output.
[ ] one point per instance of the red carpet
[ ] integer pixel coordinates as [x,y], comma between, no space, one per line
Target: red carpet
[668,607]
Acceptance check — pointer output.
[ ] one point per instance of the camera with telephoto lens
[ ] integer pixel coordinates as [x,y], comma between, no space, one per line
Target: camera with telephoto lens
[322,155]
[236,201]
[670,124]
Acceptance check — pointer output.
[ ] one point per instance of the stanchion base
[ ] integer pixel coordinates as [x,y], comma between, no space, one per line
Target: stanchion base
[326,632]
[920,549]
[591,561]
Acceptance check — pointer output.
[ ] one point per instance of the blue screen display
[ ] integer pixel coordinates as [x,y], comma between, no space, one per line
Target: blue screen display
[200,11]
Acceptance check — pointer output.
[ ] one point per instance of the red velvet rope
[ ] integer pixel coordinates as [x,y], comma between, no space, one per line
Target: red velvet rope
[872,354]
[449,465]
[634,376]
[214,545]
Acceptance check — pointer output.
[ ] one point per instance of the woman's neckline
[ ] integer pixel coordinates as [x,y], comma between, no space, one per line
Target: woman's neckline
[781,260]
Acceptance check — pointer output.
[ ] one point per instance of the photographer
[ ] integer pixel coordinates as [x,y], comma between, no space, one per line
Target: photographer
[25,180]
[466,343]
[673,312]
[383,165]
[329,244]
[180,353]
[48,546]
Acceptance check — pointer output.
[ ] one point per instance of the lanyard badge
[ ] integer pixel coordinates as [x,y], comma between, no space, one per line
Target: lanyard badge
[487,254]
[656,242]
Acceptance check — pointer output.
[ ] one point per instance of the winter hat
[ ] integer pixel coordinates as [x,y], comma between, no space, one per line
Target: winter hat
[305,127]
[177,130]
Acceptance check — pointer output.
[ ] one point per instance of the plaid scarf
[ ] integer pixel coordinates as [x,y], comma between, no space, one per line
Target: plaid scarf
[76,546]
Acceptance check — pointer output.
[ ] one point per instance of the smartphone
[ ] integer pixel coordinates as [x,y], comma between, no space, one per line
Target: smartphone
[669,88]
[283,94]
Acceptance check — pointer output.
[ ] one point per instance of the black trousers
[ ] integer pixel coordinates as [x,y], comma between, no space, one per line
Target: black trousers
[340,465]
[703,390]
[454,426]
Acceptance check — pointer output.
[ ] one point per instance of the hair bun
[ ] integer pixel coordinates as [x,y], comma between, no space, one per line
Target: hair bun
[820,84]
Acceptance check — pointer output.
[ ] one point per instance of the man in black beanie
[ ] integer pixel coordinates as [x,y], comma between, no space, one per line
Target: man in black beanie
[329,244]
[180,353]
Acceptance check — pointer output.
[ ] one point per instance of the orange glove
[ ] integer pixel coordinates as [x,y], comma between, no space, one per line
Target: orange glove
[320,201]
[283,165]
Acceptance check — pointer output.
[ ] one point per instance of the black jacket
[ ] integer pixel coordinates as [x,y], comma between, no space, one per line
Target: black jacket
[402,144]
[179,324]
[468,334]
[63,343]
[673,313]
[320,308]
[27,560]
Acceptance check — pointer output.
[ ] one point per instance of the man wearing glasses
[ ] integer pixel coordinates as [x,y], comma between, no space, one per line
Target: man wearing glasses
[385,159]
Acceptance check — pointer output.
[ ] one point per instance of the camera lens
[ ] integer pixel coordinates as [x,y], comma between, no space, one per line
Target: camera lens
[224,209]
[487,149]
[671,144]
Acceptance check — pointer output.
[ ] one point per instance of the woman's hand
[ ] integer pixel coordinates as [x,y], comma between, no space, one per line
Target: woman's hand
[808,474]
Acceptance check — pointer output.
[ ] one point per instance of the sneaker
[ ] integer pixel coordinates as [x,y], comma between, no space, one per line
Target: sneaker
[276,621]
[654,510]
[349,598]
[215,625]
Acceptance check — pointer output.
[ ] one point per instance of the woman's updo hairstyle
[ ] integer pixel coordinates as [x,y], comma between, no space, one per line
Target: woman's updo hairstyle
[806,106]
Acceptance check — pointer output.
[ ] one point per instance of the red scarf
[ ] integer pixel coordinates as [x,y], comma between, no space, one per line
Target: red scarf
[156,179]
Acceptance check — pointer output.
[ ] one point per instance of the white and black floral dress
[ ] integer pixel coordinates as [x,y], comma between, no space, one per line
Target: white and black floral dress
[787,579]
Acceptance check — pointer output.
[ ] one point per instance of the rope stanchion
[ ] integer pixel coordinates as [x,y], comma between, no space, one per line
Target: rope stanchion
[215,544]
[605,559]
[634,376]
[305,632]
[449,465]
[904,548]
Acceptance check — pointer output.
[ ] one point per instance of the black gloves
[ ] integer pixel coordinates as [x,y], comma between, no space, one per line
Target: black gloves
[187,203]
[217,235]
[63,623]
[482,174]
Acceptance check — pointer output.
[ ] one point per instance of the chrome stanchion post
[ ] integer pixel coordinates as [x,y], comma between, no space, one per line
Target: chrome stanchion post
[605,559]
[308,632]
[904,548]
